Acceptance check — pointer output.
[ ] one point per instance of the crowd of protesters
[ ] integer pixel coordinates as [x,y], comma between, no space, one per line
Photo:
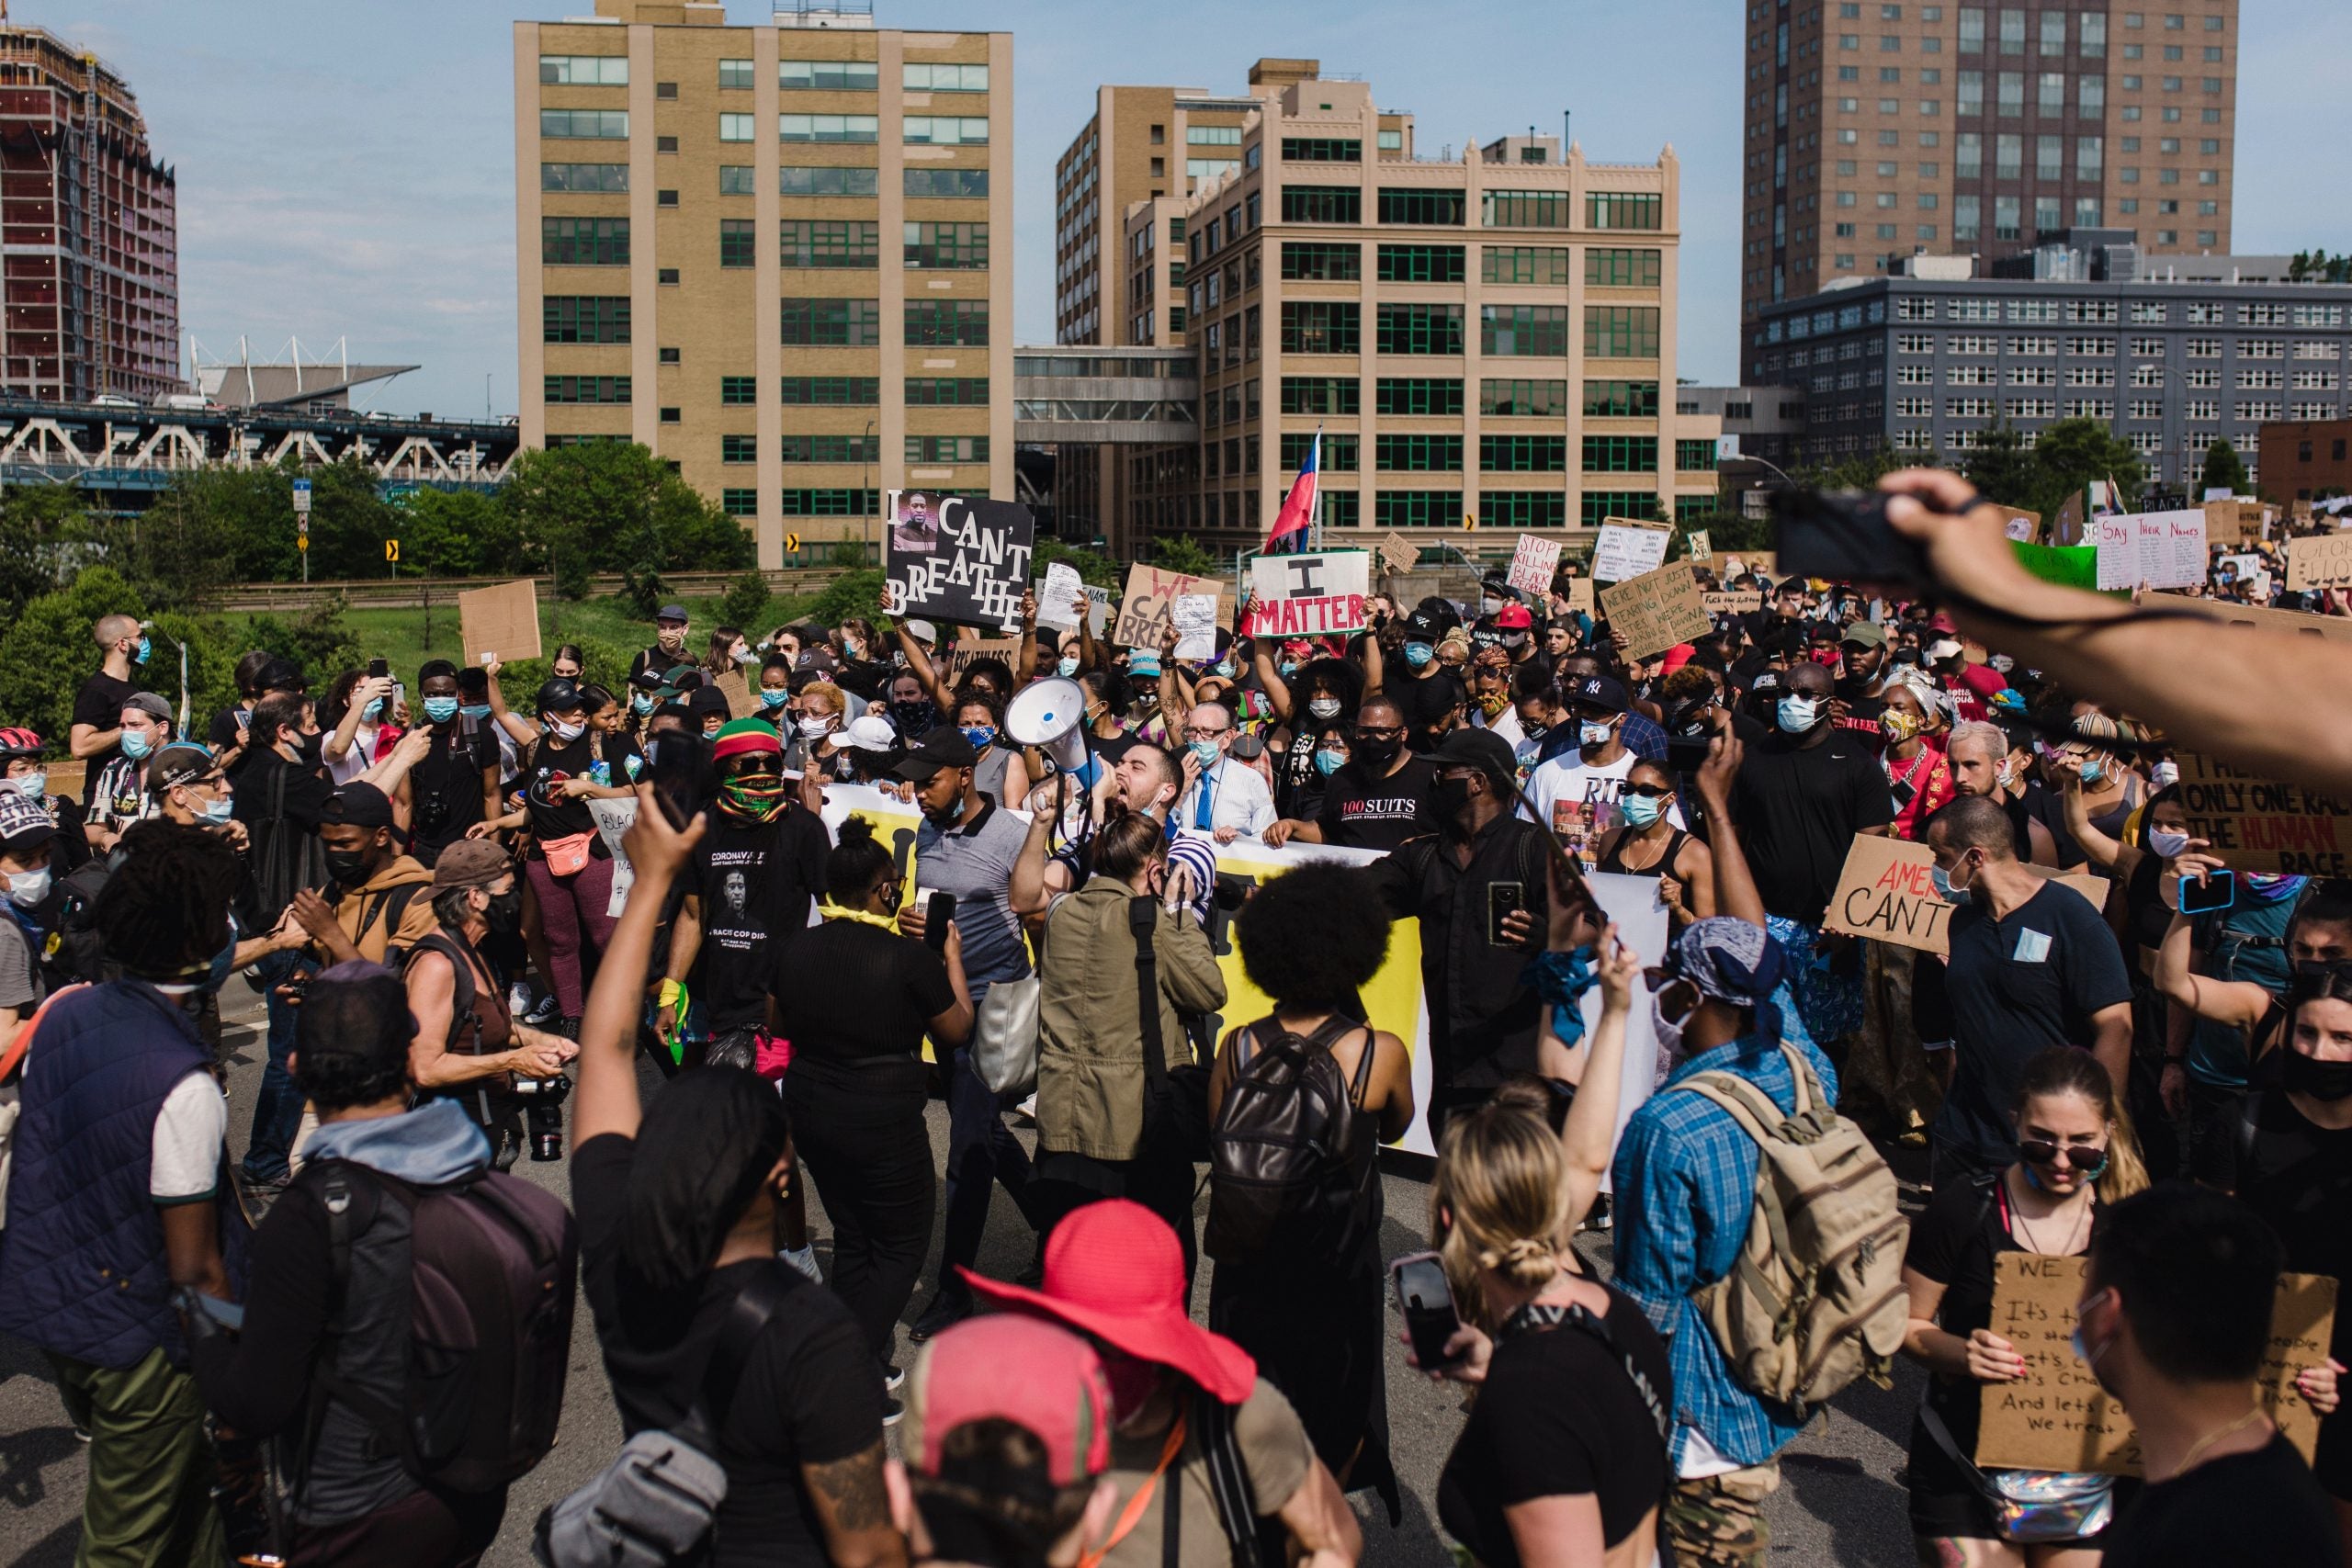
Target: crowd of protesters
[346,1345]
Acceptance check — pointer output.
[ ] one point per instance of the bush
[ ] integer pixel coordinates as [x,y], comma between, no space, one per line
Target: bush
[320,640]
[745,602]
[852,593]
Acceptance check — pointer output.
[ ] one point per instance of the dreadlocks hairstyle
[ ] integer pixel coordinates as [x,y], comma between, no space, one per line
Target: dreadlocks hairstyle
[165,912]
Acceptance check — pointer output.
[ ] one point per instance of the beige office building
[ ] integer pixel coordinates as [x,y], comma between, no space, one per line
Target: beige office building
[766,253]
[1875,132]
[1486,341]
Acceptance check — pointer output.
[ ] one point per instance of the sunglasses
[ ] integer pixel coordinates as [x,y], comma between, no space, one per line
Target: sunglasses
[1366,733]
[2085,1161]
[1648,791]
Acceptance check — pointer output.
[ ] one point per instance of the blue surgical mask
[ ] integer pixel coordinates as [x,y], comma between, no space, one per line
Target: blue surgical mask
[1796,714]
[1205,752]
[1641,810]
[857,650]
[478,710]
[440,710]
[981,736]
[1330,763]
[1418,654]
[139,655]
[642,703]
[1593,732]
[135,744]
[220,810]
[775,696]
[1288,667]
[372,712]
[2165,845]
[1946,888]
[1223,666]
[2093,773]
[34,786]
[1068,666]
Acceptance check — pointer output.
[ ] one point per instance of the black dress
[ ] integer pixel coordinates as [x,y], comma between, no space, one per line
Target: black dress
[1319,1328]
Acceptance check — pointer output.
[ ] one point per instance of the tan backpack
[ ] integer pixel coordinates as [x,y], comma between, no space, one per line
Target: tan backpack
[1816,1298]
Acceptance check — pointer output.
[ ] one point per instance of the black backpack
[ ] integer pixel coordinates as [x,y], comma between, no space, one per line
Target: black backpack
[1290,1161]
[74,950]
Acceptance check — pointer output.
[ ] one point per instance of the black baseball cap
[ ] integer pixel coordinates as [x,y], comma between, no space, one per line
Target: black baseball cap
[182,761]
[1600,690]
[558,695]
[943,747]
[1482,750]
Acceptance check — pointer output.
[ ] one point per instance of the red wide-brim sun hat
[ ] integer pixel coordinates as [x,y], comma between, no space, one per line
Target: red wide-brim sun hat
[1113,1270]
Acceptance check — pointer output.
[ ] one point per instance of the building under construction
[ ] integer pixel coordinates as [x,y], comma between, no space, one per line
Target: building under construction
[89,230]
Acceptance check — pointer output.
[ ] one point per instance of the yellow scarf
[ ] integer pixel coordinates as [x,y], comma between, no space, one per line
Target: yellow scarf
[833,911]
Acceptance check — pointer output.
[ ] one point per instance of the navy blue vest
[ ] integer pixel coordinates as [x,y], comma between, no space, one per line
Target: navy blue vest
[82,1266]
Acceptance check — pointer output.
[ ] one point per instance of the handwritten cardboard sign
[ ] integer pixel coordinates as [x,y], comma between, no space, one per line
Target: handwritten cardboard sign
[1398,553]
[1627,547]
[1698,546]
[1658,610]
[952,660]
[740,703]
[2319,560]
[1887,890]
[1143,613]
[2057,1416]
[1196,618]
[2257,823]
[1533,563]
[503,621]
[958,559]
[1309,595]
[1732,600]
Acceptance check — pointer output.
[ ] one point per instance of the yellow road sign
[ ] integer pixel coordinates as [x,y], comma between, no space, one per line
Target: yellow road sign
[792,543]
[391,550]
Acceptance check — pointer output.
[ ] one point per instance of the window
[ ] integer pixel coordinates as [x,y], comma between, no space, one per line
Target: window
[583,71]
[1412,205]
[587,389]
[584,318]
[1524,330]
[946,131]
[1313,260]
[735,179]
[860,449]
[1972,29]
[1339,452]
[737,127]
[828,75]
[583,242]
[743,502]
[830,242]
[1620,400]
[1527,454]
[735,74]
[1523,509]
[1972,92]
[1420,329]
[737,247]
[1420,263]
[1209,169]
[1320,326]
[2012,32]
[852,391]
[2094,34]
[832,502]
[2090,95]
[939,76]
[802,180]
[1322,150]
[739,390]
[600,125]
[1320,394]
[1418,453]
[1391,141]
[1621,332]
[947,448]
[1600,505]
[948,322]
[1322,204]
[828,127]
[1417,508]
[1603,211]
[1622,453]
[1523,264]
[1212,136]
[739,448]
[943,182]
[832,323]
[1622,269]
[1418,394]
[950,248]
[947,391]
[2011,93]
[587,178]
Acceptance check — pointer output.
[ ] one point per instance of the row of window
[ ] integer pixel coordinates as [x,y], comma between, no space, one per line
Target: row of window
[1334,326]
[1496,453]
[1497,208]
[1497,396]
[858,449]
[735,179]
[825,324]
[858,391]
[807,243]
[824,75]
[1603,266]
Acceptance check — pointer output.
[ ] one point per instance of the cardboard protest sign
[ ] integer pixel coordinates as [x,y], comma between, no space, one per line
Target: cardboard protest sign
[1698,546]
[1627,547]
[1887,891]
[2264,824]
[1143,613]
[2319,560]
[502,621]
[1579,594]
[2067,529]
[1533,564]
[1657,610]
[1732,600]
[951,661]
[2058,1417]
[1309,595]
[740,703]
[958,559]
[1056,595]
[2022,526]
[1398,553]
[1196,618]
[2294,623]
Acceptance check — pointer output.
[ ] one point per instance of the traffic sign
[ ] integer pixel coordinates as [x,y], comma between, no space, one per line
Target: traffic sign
[391,550]
[302,542]
[302,498]
[792,543]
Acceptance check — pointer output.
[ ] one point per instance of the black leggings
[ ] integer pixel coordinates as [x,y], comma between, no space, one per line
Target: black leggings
[869,1155]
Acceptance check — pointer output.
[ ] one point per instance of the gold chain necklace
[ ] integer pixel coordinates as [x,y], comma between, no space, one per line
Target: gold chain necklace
[2198,1449]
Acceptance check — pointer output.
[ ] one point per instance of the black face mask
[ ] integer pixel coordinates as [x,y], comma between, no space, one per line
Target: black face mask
[1452,798]
[2321,1080]
[312,745]
[505,913]
[348,867]
[914,718]
[1379,753]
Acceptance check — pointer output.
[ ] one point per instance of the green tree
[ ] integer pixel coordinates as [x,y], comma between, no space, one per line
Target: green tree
[1093,566]
[1181,552]
[2224,470]
[47,653]
[460,533]
[596,501]
[1860,472]
[320,640]
[2002,467]
[2073,452]
[745,602]
[43,530]
[852,593]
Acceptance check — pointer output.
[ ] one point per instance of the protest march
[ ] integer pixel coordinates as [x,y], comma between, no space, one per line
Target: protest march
[1905,951]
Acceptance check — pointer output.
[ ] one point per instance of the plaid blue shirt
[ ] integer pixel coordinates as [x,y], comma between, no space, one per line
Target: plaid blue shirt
[1685,1179]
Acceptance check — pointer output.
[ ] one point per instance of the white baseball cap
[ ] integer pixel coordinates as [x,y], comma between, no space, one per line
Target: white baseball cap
[871,733]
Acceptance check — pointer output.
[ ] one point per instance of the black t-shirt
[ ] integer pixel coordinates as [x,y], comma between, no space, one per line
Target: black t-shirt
[2252,1510]
[757,882]
[553,817]
[2044,806]
[809,1391]
[307,791]
[99,704]
[2297,1175]
[855,999]
[1798,809]
[446,785]
[1425,701]
[1862,716]
[2015,986]
[1559,1417]
[1360,812]
[661,663]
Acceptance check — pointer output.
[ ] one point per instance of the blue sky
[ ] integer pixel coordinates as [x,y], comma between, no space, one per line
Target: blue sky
[347,170]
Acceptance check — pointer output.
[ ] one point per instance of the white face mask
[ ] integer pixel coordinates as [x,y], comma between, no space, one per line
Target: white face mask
[1668,1030]
[1593,733]
[813,728]
[743,655]
[27,888]
[2165,845]
[1324,707]
[565,733]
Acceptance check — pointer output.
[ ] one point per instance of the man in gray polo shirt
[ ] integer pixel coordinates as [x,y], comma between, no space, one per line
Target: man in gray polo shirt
[967,847]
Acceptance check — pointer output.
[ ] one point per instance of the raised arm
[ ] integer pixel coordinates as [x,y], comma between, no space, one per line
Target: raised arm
[2106,853]
[608,1101]
[1735,892]
[1277,689]
[918,664]
[522,730]
[1590,1134]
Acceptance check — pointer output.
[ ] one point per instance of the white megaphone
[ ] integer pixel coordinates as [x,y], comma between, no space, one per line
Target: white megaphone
[1050,714]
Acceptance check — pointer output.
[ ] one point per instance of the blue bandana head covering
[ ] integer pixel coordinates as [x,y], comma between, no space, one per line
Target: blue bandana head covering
[1734,962]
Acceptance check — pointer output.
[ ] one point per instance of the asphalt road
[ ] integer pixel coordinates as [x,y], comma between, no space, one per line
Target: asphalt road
[1839,1502]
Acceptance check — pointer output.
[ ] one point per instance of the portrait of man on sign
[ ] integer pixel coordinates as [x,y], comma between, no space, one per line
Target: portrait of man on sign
[916,531]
